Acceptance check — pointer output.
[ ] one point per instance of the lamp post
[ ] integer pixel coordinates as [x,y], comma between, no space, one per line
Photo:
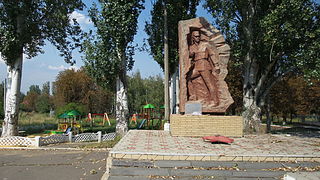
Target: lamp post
[166,66]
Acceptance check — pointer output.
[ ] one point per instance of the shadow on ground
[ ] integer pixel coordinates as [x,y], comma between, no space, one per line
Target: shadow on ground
[301,131]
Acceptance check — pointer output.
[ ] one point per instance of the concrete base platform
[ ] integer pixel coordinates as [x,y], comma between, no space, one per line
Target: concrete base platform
[160,145]
[151,154]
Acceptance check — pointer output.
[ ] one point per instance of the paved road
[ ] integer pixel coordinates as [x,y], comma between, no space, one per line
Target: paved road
[52,164]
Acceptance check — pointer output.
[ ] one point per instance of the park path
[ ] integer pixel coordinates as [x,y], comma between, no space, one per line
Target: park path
[49,164]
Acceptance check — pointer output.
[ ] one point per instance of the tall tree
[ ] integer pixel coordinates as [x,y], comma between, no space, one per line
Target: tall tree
[176,10]
[136,92]
[24,27]
[270,38]
[30,100]
[34,89]
[142,91]
[46,88]
[109,55]
[75,86]
[72,86]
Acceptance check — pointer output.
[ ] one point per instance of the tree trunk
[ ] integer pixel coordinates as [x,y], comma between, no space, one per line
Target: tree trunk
[10,124]
[173,93]
[121,107]
[268,114]
[251,116]
[252,110]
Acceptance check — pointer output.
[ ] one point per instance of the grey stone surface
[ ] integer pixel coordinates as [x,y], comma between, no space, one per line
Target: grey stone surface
[302,176]
[132,163]
[193,108]
[259,165]
[207,164]
[260,174]
[128,178]
[249,178]
[309,164]
[134,171]
[172,163]
[192,172]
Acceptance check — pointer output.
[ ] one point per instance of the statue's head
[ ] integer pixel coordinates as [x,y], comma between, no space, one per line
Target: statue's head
[195,36]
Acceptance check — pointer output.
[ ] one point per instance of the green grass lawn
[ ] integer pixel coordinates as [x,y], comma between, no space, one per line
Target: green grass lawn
[34,124]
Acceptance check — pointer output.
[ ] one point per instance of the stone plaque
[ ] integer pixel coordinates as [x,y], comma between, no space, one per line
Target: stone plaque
[203,59]
[194,108]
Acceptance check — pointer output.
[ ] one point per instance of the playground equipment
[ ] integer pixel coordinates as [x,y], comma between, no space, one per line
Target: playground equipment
[68,120]
[148,113]
[92,116]
[134,118]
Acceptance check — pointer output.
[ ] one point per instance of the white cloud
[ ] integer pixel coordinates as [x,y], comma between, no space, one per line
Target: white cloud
[62,67]
[59,68]
[74,67]
[81,18]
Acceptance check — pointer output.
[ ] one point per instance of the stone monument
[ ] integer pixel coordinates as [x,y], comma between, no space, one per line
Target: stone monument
[203,59]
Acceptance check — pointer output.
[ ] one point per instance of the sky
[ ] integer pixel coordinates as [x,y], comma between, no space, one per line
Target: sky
[45,67]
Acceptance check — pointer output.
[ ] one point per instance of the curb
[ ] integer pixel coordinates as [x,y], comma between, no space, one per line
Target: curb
[54,149]
[215,157]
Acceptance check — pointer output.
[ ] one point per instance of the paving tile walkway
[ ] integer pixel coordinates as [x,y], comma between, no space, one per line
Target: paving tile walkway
[153,142]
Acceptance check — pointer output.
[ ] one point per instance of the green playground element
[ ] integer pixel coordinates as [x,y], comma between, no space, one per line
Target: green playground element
[53,132]
[73,113]
[69,119]
[149,106]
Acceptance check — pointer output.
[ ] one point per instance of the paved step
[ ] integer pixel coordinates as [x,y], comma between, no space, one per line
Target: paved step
[146,169]
[209,164]
[182,178]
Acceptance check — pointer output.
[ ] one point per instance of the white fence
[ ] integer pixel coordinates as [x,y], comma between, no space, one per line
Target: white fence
[17,141]
[53,139]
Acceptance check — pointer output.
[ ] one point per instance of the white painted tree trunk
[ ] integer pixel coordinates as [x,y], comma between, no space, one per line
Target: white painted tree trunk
[10,124]
[252,109]
[121,108]
[251,114]
[174,93]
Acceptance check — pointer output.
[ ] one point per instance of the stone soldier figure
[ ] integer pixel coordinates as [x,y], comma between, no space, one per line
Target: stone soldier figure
[203,67]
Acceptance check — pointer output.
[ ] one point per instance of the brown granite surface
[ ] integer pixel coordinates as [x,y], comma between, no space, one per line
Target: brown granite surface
[203,58]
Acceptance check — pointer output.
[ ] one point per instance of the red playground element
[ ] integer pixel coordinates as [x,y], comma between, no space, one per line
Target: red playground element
[215,139]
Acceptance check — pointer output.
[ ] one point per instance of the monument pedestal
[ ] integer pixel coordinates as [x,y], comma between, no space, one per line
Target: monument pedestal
[206,125]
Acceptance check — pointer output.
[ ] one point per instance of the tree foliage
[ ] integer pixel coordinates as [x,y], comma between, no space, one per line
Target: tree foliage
[270,39]
[37,21]
[37,100]
[75,86]
[142,91]
[24,27]
[34,89]
[177,10]
[109,53]
[294,96]
[235,84]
